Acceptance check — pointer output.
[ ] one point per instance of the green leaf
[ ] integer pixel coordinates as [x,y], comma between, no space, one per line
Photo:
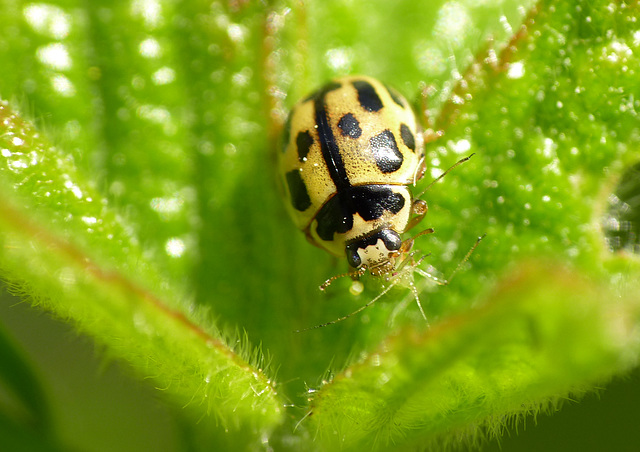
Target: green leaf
[140,205]
[23,387]
[71,250]
[503,357]
[79,262]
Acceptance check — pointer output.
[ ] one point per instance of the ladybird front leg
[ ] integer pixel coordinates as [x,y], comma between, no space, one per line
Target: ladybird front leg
[406,246]
[419,209]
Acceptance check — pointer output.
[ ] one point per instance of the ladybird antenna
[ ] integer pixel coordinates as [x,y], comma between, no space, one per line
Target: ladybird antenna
[328,282]
[357,311]
[459,162]
[445,282]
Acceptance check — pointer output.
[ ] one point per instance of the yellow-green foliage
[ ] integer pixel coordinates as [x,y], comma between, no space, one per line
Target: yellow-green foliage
[139,205]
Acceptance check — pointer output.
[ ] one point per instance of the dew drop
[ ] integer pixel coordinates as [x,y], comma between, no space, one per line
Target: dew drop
[175,247]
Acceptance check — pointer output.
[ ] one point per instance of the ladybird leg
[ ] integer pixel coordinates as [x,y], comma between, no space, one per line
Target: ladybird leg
[407,270]
[408,261]
[419,209]
[422,168]
[417,298]
[406,246]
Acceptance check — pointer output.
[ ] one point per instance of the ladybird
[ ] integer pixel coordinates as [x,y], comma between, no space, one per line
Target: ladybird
[351,152]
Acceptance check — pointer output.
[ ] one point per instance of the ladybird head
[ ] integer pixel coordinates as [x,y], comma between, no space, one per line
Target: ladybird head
[376,252]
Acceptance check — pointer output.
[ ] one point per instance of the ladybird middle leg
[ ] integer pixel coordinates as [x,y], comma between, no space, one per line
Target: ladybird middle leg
[406,246]
[419,209]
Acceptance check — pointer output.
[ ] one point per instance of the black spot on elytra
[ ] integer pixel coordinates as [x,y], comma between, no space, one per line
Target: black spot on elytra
[349,126]
[369,201]
[333,218]
[385,152]
[395,96]
[407,137]
[367,96]
[299,196]
[304,140]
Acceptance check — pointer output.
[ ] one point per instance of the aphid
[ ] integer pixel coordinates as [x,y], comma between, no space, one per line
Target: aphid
[351,153]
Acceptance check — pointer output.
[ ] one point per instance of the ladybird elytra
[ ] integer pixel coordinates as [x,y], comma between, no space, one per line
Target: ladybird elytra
[351,152]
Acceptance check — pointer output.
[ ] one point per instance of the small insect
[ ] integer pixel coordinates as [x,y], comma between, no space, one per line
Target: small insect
[351,151]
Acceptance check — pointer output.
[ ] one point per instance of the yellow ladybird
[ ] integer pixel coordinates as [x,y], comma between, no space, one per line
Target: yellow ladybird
[352,150]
